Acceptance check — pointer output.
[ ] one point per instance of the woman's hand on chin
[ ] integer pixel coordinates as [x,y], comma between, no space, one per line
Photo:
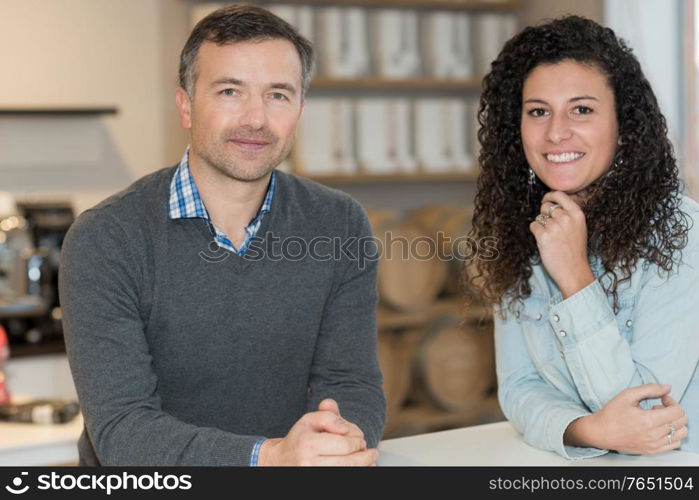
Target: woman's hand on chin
[561,236]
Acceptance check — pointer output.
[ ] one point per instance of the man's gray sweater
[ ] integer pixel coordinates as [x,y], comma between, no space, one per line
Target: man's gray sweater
[186,354]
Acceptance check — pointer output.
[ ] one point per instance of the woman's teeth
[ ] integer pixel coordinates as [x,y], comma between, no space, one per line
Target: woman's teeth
[564,157]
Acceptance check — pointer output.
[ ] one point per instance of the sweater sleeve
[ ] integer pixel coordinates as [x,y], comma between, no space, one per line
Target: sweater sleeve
[101,284]
[345,365]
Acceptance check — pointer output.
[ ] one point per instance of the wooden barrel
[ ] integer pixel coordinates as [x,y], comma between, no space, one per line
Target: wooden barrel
[454,223]
[411,275]
[395,350]
[454,364]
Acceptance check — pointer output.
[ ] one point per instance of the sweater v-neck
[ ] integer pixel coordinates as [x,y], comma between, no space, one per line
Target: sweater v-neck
[239,263]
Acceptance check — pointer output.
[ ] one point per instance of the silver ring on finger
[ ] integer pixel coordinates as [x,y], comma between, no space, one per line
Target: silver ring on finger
[552,208]
[670,437]
[541,219]
[673,428]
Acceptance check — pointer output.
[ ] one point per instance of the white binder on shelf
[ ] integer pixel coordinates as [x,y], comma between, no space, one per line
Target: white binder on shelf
[325,142]
[344,42]
[299,16]
[395,37]
[442,135]
[447,45]
[492,30]
[384,136]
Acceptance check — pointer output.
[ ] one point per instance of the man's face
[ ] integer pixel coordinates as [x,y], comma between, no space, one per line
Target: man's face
[245,107]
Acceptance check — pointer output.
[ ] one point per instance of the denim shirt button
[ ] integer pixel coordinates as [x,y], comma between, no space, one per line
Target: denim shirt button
[556,318]
[562,333]
[539,316]
[629,323]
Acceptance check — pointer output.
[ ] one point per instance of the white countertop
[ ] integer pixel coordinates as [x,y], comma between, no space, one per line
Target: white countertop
[40,444]
[491,445]
[500,444]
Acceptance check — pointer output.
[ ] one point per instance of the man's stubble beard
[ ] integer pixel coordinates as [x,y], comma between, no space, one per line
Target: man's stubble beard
[227,165]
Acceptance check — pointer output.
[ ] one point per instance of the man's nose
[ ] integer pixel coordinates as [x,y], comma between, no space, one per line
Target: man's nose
[253,114]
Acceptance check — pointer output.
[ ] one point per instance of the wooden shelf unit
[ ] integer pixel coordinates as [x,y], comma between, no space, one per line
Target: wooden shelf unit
[417,87]
[415,417]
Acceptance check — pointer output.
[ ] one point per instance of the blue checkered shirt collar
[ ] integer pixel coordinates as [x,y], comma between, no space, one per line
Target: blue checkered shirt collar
[186,203]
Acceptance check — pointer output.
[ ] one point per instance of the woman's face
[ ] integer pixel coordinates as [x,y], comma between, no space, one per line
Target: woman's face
[569,125]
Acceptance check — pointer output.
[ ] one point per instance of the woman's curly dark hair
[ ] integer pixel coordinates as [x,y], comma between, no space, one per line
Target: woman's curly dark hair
[632,211]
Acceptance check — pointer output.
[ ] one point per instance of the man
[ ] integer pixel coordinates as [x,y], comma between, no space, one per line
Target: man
[196,332]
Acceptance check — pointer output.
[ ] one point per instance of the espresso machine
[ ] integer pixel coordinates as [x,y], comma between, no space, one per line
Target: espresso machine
[31,236]
[30,246]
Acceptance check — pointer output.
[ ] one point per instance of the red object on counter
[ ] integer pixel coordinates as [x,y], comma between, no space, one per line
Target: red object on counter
[4,355]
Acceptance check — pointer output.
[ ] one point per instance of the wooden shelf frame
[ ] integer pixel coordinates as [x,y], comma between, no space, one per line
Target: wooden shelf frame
[56,111]
[413,84]
[50,346]
[398,178]
[506,5]
[419,419]
[391,319]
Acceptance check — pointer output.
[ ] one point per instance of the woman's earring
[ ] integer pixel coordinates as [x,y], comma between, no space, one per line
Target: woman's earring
[618,160]
[616,163]
[530,183]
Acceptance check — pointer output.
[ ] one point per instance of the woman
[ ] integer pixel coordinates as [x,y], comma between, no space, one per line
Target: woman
[596,286]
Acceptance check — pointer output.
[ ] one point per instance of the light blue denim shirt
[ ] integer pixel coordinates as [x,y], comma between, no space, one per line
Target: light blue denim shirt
[558,360]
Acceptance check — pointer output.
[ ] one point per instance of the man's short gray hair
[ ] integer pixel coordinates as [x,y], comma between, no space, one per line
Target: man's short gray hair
[240,23]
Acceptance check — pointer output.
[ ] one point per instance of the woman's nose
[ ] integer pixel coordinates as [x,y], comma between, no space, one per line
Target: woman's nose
[558,129]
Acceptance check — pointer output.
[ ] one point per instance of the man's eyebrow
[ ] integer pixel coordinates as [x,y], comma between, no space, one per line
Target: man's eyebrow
[229,81]
[276,85]
[284,86]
